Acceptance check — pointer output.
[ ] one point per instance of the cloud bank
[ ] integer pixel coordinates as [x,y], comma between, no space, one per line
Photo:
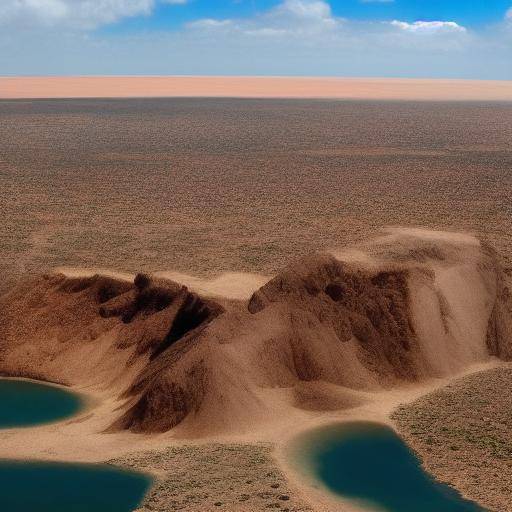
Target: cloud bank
[295,37]
[79,14]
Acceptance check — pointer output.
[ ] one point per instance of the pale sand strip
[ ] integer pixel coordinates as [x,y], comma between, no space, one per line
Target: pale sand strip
[254,87]
[229,285]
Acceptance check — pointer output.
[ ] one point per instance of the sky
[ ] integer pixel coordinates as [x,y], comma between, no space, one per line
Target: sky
[363,38]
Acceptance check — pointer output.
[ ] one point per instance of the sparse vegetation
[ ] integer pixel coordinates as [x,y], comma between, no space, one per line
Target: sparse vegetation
[212,477]
[177,187]
[464,435]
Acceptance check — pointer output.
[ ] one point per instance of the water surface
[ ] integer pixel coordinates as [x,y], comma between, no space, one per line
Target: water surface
[26,403]
[29,486]
[66,487]
[369,463]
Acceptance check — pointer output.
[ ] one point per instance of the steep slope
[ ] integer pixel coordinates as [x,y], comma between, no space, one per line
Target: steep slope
[410,305]
[94,330]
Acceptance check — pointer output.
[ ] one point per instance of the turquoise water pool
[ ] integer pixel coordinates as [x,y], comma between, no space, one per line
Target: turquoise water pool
[30,486]
[27,486]
[26,403]
[369,463]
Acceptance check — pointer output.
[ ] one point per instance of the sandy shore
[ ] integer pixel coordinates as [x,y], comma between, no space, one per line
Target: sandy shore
[262,455]
[254,87]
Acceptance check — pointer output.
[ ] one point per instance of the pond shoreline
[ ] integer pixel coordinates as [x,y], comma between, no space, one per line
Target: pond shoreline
[28,403]
[82,439]
[370,465]
[51,486]
[34,377]
[26,485]
[463,434]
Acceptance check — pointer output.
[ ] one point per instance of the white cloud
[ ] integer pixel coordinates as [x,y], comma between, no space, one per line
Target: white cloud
[40,10]
[74,14]
[208,23]
[508,14]
[290,18]
[299,16]
[306,9]
[429,26]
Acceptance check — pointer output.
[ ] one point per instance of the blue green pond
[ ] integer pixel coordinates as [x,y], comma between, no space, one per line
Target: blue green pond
[30,486]
[27,403]
[370,464]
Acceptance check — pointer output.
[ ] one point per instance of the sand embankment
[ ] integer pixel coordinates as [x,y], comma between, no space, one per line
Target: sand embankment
[255,87]
[407,307]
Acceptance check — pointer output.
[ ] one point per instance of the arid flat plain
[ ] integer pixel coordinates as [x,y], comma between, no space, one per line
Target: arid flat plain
[205,186]
[254,87]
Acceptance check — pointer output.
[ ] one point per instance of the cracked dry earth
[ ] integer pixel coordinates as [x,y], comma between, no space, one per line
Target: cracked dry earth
[463,434]
[216,477]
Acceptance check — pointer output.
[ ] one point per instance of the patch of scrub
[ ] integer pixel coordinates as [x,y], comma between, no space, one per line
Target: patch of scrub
[371,465]
[463,433]
[216,477]
[66,487]
[26,403]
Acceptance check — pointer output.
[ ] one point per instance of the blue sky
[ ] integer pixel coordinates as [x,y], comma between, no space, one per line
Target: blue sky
[404,38]
[474,13]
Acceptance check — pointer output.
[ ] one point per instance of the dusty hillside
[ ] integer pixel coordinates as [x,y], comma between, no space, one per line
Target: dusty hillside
[95,330]
[407,306]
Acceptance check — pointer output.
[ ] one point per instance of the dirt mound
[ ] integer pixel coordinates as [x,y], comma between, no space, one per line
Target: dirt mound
[408,306]
[350,304]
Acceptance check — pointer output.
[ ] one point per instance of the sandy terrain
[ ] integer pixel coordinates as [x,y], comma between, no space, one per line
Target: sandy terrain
[230,285]
[190,475]
[195,477]
[224,193]
[254,87]
[417,304]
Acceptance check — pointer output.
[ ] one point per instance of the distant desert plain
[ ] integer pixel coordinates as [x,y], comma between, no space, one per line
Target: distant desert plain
[254,87]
